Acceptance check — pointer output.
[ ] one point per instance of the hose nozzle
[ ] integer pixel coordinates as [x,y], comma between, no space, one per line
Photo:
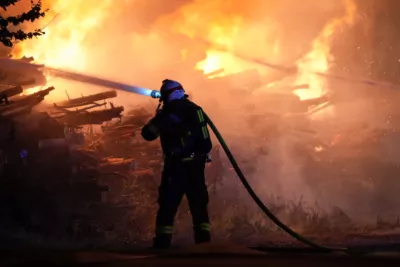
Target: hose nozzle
[155,94]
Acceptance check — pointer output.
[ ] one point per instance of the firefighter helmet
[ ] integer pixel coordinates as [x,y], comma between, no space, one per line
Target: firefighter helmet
[168,87]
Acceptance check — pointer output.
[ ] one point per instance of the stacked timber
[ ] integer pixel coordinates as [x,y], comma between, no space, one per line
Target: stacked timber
[44,153]
[83,114]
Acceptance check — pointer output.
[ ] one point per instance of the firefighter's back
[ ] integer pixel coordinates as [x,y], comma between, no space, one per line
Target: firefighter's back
[191,136]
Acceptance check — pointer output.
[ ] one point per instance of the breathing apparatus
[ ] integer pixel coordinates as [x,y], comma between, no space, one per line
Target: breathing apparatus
[167,88]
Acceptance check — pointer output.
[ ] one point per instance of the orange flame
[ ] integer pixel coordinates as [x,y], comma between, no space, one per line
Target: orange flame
[319,57]
[231,32]
[67,24]
[221,23]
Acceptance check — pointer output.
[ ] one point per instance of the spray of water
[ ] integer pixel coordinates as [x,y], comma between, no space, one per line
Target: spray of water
[98,81]
[23,66]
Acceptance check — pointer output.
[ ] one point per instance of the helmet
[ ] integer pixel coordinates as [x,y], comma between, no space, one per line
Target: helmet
[168,87]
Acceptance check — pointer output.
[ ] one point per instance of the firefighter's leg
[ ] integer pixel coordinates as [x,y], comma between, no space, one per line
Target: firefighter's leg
[170,196]
[197,196]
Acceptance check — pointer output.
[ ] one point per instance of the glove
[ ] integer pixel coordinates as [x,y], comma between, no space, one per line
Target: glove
[208,158]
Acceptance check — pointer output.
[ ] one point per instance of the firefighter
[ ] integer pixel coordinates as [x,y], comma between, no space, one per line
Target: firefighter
[186,144]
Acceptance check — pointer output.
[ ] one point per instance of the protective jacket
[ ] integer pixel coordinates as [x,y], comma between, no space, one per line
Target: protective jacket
[185,141]
[182,129]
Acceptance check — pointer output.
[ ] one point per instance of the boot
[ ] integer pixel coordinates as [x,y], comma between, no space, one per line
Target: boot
[202,237]
[162,241]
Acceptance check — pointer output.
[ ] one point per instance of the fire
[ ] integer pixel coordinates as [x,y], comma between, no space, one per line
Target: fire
[227,31]
[215,60]
[67,24]
[225,27]
[318,59]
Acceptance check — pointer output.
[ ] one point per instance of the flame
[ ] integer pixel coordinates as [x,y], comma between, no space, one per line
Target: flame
[67,24]
[227,31]
[318,59]
[215,60]
[32,90]
[219,25]
[70,27]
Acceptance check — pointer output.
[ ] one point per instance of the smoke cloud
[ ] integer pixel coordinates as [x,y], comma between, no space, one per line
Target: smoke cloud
[143,42]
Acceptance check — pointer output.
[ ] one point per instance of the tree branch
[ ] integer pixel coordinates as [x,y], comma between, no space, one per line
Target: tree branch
[6,3]
[7,36]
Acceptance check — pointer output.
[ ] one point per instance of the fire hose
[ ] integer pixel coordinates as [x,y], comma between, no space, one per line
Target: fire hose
[254,196]
[235,165]
[259,202]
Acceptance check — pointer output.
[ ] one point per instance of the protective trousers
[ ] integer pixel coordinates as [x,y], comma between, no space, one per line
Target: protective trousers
[179,178]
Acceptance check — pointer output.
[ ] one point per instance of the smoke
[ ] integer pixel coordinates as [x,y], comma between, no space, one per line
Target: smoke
[143,42]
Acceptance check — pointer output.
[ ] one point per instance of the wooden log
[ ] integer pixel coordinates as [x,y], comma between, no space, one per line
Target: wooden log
[41,93]
[20,109]
[9,91]
[115,165]
[213,73]
[27,100]
[94,117]
[318,108]
[27,59]
[86,100]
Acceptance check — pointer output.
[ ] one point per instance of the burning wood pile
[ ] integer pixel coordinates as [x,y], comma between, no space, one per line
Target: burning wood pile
[83,116]
[80,165]
[75,168]
[13,104]
[51,181]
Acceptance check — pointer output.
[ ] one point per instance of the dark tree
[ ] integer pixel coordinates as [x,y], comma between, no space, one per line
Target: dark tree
[7,36]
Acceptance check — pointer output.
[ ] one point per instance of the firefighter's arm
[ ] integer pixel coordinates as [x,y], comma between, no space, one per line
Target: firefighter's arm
[151,130]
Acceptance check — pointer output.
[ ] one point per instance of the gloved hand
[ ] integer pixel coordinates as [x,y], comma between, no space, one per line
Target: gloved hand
[208,158]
